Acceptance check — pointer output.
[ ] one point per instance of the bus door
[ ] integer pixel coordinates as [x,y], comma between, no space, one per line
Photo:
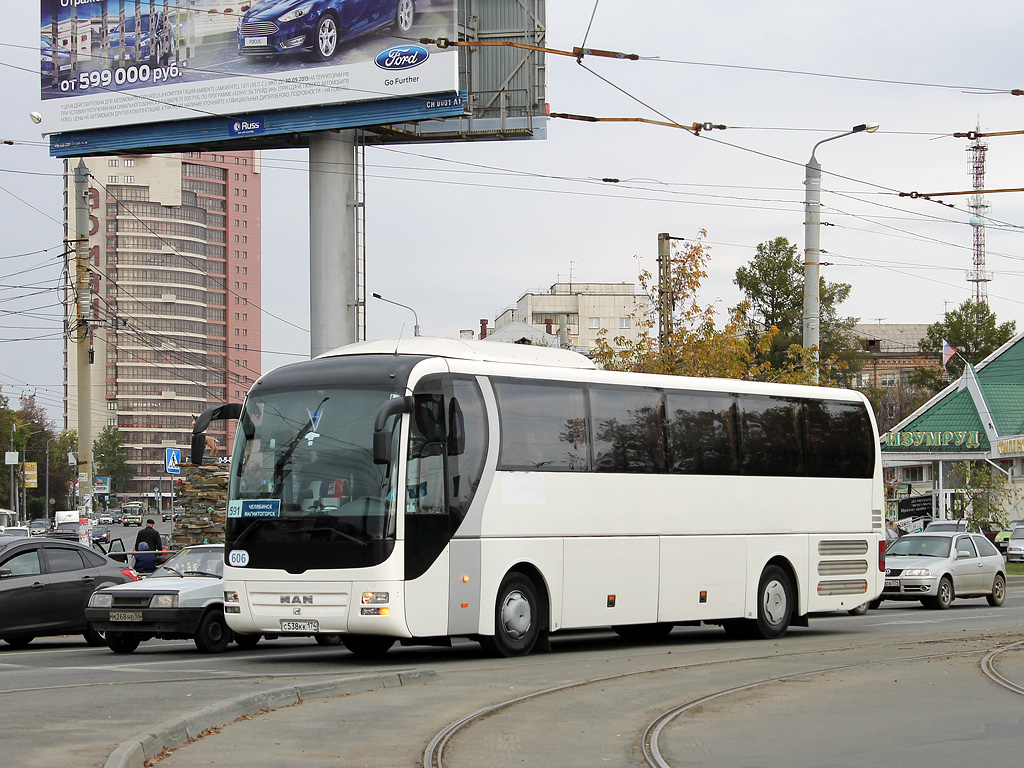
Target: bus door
[446,452]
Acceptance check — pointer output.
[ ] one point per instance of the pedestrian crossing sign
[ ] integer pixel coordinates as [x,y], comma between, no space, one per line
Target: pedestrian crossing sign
[173,461]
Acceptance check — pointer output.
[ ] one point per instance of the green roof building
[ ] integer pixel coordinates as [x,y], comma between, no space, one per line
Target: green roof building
[978,417]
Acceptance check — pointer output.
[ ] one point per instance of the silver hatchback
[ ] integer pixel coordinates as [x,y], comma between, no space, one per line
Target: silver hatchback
[936,568]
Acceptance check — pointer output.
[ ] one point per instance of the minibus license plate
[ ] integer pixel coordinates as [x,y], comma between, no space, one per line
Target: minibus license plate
[126,615]
[892,583]
[253,42]
[300,626]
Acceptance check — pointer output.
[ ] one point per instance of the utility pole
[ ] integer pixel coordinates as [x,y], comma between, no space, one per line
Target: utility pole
[83,309]
[666,298]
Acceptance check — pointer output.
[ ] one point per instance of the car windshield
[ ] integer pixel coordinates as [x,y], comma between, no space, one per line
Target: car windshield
[1018,532]
[920,546]
[193,561]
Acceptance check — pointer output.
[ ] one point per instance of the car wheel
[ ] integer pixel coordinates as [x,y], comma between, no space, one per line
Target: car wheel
[121,642]
[92,637]
[404,14]
[860,610]
[517,618]
[644,633]
[325,38]
[774,603]
[213,634]
[18,642]
[874,604]
[368,646]
[944,597]
[327,639]
[998,593]
[247,641]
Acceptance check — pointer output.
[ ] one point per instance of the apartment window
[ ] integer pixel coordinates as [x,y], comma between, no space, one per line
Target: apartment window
[112,422]
[236,270]
[236,283]
[236,222]
[245,363]
[236,317]
[245,315]
[236,163]
[245,347]
[245,177]
[245,192]
[236,191]
[236,254]
[245,239]
[236,363]
[245,254]
[245,223]
[236,177]
[245,208]
[112,163]
[236,300]
[111,405]
[129,179]
[888,380]
[245,286]
[623,322]
[112,180]
[245,270]
[245,332]
[594,322]
[129,163]
[236,238]
[245,300]
[236,332]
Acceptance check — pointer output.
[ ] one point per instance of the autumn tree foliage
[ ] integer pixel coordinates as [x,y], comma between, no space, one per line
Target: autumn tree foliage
[695,346]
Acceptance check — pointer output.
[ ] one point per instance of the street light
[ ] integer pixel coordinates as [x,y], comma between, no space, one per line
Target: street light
[46,501]
[415,317]
[812,247]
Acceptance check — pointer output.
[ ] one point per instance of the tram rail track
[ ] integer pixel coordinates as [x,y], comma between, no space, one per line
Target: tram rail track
[434,752]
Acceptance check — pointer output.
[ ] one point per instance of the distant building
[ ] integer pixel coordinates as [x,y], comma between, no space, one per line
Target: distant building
[895,351]
[175,321]
[587,308]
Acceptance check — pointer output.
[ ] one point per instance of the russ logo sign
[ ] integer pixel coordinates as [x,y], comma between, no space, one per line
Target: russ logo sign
[402,57]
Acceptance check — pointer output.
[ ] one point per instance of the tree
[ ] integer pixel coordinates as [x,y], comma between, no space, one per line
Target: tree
[773,289]
[695,347]
[972,331]
[982,491]
[109,459]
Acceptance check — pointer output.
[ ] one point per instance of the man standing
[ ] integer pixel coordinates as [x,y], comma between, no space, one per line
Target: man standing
[148,539]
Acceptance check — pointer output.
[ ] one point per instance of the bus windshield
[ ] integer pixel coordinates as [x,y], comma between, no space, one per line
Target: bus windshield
[305,492]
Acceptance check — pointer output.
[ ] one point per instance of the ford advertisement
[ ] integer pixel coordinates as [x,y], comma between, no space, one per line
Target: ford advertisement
[108,63]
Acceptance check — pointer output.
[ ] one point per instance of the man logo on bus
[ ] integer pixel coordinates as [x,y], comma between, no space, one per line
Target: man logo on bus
[304,599]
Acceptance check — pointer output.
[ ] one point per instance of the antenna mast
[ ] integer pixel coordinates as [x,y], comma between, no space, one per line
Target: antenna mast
[978,205]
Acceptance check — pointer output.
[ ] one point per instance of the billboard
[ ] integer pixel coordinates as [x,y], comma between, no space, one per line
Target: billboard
[123,63]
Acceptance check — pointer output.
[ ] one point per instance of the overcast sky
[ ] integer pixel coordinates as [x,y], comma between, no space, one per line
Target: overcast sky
[459,242]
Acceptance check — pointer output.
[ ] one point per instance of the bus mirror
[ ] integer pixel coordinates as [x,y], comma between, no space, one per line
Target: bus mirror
[382,436]
[213,413]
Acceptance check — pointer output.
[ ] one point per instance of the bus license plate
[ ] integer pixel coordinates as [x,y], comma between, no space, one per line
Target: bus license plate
[892,583]
[300,626]
[126,615]
[252,42]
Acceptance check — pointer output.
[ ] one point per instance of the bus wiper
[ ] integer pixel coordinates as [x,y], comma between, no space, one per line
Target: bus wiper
[293,444]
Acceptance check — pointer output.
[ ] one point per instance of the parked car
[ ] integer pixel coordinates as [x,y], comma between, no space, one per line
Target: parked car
[1004,535]
[1015,545]
[45,585]
[938,567]
[317,26]
[182,599]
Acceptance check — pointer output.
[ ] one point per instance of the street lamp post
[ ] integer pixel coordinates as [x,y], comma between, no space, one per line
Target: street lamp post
[415,317]
[812,247]
[46,501]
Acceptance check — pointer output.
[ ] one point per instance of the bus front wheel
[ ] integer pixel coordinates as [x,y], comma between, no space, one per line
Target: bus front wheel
[517,618]
[367,646]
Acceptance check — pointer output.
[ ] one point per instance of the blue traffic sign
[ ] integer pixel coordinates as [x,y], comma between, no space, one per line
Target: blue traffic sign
[173,461]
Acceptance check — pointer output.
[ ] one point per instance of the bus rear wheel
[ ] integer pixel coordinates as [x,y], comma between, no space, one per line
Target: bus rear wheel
[368,646]
[517,618]
[774,603]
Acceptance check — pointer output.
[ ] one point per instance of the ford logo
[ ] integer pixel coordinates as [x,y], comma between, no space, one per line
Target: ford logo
[402,57]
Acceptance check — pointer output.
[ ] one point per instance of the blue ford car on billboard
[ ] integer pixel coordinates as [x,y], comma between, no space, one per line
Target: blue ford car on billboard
[317,26]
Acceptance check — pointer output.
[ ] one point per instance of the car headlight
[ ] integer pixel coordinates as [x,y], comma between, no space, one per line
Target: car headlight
[296,13]
[917,572]
[164,601]
[99,600]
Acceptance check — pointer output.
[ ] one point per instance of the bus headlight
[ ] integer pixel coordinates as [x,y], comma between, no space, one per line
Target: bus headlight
[375,598]
[231,597]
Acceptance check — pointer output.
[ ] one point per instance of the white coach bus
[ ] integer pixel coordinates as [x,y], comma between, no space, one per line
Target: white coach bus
[427,489]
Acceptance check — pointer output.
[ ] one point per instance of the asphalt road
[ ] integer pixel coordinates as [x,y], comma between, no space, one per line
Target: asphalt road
[899,686]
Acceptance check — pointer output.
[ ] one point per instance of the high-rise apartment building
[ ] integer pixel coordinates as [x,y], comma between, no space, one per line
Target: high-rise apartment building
[174,249]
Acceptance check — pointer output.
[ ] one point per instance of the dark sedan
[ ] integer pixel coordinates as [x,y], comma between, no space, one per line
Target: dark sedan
[317,26]
[45,585]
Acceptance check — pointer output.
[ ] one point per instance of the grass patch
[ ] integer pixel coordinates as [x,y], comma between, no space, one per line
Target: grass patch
[1015,569]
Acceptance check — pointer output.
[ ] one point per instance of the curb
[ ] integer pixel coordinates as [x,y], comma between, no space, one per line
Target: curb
[144,746]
